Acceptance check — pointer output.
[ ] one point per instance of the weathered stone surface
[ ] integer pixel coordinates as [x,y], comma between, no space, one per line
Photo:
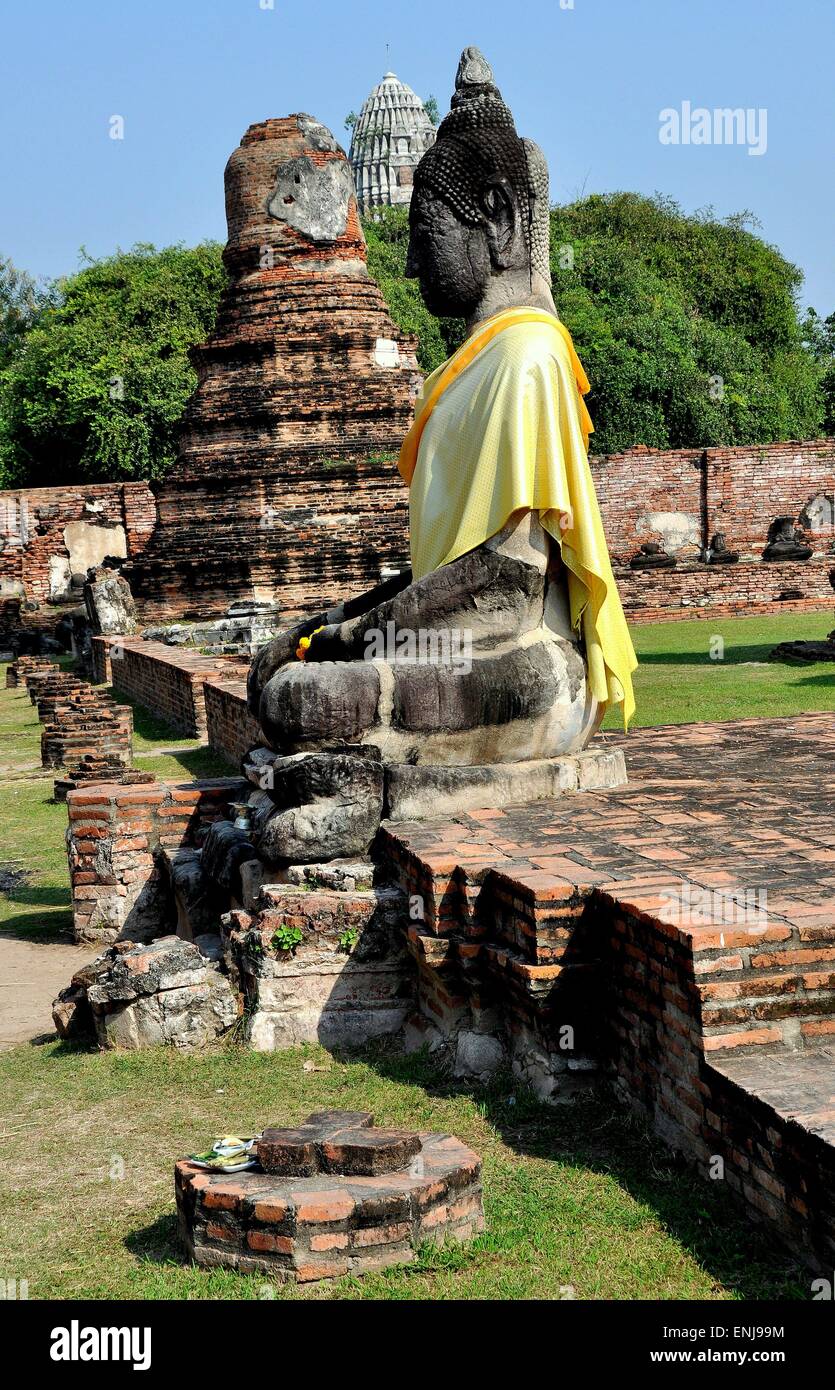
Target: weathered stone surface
[478,1056]
[71,1014]
[225,848]
[344,875]
[313,199]
[167,963]
[109,602]
[197,900]
[345,980]
[423,792]
[325,702]
[190,1017]
[166,992]
[319,806]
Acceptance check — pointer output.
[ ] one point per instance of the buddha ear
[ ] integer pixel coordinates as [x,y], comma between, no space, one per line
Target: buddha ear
[498,203]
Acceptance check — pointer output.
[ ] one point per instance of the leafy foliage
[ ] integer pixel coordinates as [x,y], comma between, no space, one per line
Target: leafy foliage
[98,388]
[688,327]
[432,109]
[20,299]
[286,938]
[820,335]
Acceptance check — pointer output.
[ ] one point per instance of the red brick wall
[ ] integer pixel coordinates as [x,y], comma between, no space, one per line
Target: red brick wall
[663,1010]
[701,591]
[169,681]
[309,531]
[747,485]
[32,522]
[305,534]
[232,730]
[113,834]
[645,480]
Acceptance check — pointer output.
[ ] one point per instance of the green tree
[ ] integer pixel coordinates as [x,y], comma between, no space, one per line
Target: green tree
[20,302]
[820,337]
[432,109]
[99,386]
[688,327]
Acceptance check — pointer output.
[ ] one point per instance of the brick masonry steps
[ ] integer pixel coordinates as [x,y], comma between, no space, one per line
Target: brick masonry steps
[684,927]
[82,726]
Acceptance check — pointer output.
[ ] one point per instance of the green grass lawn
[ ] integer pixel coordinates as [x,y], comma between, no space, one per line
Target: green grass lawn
[679,681]
[578,1198]
[33,825]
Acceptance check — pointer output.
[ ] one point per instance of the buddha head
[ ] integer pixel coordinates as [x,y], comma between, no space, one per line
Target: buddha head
[478,218]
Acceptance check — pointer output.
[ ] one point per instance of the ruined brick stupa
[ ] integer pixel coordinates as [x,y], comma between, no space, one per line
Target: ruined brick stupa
[304,357]
[305,391]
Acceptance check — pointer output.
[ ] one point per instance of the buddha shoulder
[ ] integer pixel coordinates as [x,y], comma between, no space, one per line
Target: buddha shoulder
[533,348]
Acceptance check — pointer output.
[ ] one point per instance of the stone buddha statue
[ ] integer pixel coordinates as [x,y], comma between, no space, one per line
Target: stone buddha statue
[784,543]
[506,640]
[652,556]
[718,553]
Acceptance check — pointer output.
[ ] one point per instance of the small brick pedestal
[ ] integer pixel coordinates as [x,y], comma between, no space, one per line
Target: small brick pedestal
[341,1197]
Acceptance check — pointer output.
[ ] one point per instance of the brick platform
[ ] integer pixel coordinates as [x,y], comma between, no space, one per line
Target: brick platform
[168,681]
[231,730]
[351,1218]
[683,927]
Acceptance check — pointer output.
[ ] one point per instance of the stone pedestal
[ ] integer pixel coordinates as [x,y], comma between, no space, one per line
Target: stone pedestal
[321,965]
[349,1198]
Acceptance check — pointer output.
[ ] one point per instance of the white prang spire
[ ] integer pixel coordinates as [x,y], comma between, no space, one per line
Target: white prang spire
[391,134]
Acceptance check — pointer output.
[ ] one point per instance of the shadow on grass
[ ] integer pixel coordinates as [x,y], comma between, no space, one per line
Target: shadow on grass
[35,895]
[595,1134]
[733,656]
[600,1135]
[824,681]
[34,925]
[145,724]
[157,1243]
[199,762]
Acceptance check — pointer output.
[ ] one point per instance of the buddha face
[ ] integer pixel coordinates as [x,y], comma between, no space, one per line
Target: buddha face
[450,260]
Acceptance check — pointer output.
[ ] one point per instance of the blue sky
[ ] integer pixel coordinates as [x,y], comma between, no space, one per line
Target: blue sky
[587,82]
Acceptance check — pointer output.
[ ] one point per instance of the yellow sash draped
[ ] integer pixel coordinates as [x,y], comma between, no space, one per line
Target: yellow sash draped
[502,428]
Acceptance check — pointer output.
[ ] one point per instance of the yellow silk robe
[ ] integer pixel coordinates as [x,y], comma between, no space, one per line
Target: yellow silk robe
[501,428]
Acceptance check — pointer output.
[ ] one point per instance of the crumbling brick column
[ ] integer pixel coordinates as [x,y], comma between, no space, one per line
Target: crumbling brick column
[114,833]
